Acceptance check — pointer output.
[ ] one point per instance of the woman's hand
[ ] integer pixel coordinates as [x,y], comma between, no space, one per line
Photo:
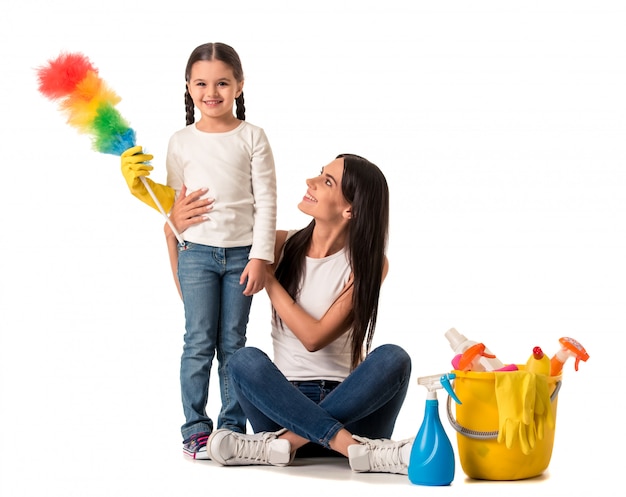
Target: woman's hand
[186,211]
[190,209]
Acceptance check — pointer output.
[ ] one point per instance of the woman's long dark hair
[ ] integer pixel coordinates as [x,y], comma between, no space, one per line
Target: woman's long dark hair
[225,54]
[365,188]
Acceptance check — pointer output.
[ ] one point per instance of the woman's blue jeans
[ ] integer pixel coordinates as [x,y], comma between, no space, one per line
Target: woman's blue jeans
[366,403]
[216,318]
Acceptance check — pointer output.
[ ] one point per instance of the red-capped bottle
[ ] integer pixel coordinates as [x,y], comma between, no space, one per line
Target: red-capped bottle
[538,362]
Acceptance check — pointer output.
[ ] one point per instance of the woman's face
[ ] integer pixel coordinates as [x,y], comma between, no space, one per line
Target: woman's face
[324,198]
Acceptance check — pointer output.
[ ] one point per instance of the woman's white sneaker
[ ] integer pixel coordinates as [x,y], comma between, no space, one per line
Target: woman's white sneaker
[380,456]
[230,448]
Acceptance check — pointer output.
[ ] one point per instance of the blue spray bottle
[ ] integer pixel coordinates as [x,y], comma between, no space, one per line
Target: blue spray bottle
[432,457]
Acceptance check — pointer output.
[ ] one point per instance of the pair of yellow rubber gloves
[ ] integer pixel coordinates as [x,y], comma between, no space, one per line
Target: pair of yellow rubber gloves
[135,164]
[524,408]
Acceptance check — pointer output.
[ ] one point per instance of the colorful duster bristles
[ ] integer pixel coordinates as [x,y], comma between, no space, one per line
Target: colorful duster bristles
[90,107]
[87,101]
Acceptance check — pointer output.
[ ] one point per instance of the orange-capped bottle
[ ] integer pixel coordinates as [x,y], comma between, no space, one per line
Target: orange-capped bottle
[485,359]
[569,348]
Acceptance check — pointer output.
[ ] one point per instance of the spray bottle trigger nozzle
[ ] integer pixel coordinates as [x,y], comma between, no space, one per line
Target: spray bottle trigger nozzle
[445,383]
[575,349]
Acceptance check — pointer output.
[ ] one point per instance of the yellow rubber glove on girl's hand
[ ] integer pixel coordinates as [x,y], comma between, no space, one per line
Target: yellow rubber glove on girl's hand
[134,165]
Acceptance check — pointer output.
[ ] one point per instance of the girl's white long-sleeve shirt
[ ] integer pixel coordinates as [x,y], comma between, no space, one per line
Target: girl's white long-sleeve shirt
[238,169]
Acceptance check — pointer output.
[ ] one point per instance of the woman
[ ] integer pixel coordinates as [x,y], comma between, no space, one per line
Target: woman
[325,388]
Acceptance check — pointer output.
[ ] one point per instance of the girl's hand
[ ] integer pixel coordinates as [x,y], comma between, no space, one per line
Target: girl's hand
[255,274]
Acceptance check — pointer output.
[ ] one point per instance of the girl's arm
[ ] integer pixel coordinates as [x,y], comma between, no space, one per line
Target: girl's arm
[263,183]
[314,334]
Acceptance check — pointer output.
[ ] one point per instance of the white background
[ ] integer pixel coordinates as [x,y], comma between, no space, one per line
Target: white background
[500,127]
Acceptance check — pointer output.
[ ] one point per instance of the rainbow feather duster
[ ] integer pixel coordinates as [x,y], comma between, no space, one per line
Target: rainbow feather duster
[89,105]
[87,101]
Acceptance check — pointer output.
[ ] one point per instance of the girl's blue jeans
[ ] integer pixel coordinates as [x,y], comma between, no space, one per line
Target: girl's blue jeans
[366,403]
[216,318]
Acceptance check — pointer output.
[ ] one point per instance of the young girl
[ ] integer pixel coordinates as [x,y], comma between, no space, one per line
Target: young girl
[325,389]
[222,261]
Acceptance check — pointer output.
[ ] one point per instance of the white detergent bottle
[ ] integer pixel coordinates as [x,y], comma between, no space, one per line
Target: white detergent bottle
[460,344]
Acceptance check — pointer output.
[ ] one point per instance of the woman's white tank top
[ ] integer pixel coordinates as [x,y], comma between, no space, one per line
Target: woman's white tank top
[325,279]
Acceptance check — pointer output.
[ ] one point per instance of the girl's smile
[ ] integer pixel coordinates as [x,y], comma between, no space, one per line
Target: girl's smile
[213,89]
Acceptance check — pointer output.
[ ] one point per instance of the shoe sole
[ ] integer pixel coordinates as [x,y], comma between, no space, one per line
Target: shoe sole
[202,455]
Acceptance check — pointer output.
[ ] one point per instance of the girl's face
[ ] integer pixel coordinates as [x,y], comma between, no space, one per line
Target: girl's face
[213,89]
[324,199]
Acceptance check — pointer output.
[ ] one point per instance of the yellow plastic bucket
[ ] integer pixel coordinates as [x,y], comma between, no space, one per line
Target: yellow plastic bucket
[482,457]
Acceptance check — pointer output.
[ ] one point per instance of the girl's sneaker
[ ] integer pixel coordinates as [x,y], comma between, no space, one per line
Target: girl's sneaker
[195,445]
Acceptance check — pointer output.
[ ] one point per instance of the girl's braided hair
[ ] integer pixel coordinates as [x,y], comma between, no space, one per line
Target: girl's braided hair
[225,54]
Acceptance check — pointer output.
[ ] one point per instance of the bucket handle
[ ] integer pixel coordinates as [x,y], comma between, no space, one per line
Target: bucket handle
[485,435]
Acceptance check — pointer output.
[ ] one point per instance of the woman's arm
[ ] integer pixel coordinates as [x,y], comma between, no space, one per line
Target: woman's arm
[314,334]
[172,251]
[187,211]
